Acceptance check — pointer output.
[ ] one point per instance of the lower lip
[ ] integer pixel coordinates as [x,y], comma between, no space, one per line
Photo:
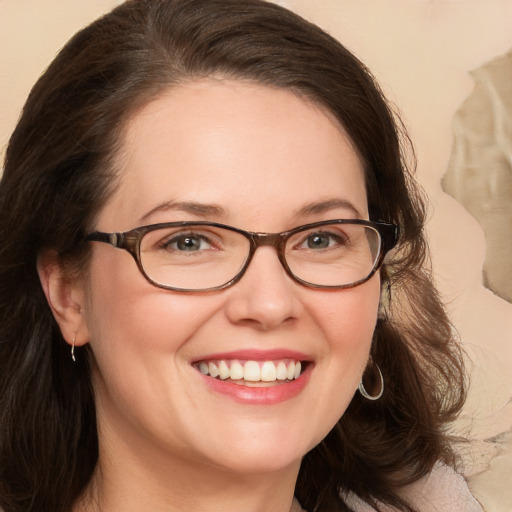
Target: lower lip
[269,395]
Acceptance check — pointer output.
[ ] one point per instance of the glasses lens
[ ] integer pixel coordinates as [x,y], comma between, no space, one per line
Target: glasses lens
[193,257]
[333,254]
[200,257]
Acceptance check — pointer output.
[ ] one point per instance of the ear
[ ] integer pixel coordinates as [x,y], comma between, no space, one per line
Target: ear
[66,297]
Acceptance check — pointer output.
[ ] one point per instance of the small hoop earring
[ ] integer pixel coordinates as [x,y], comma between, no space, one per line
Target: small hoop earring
[365,393]
[73,349]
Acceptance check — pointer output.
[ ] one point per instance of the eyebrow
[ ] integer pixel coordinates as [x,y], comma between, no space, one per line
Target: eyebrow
[197,209]
[327,205]
[204,210]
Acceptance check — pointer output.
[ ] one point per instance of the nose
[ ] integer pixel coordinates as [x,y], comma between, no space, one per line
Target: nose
[266,297]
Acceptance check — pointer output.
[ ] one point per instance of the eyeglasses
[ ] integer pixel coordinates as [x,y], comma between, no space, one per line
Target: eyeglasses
[204,256]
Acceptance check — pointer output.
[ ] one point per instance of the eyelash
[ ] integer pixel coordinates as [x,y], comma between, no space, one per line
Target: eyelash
[177,237]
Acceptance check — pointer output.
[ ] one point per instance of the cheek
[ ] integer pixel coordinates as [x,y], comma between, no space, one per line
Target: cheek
[127,316]
[349,319]
[139,336]
[348,322]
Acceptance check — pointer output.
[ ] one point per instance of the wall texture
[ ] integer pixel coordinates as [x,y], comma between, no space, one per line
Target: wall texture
[430,56]
[423,52]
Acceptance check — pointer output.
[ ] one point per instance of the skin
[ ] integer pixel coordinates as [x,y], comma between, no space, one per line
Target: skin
[262,155]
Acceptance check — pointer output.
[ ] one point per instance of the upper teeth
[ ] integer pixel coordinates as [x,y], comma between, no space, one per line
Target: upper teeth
[252,371]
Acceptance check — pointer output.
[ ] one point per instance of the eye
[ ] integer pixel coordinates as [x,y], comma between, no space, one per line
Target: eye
[187,242]
[323,240]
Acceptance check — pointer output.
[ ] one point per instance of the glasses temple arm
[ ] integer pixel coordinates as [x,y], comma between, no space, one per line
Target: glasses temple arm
[114,239]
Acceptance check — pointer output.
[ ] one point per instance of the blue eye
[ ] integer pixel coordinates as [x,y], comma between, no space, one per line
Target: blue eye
[318,241]
[323,240]
[187,243]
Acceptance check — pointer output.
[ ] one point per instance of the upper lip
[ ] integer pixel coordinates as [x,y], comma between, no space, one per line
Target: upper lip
[256,355]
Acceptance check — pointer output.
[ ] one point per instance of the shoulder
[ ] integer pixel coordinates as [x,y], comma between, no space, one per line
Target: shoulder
[442,489]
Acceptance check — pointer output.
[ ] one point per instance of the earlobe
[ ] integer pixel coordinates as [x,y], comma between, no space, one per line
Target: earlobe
[65,296]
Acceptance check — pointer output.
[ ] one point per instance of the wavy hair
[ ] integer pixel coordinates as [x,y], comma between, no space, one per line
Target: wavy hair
[60,170]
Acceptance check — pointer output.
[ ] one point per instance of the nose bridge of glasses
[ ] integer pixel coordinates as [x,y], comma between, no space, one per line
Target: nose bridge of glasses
[271,239]
[275,240]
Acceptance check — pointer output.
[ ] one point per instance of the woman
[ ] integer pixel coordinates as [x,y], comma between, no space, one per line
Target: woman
[211,242]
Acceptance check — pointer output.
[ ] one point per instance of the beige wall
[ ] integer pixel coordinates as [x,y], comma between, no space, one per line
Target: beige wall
[422,52]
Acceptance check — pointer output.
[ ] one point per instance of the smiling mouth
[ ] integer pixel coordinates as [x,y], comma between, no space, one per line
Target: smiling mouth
[252,373]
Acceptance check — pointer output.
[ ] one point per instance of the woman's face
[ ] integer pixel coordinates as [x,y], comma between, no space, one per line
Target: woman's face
[259,159]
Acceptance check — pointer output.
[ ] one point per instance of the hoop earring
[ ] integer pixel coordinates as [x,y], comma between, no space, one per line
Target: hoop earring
[73,349]
[365,393]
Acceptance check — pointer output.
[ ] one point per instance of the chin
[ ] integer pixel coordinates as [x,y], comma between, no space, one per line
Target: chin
[260,464]
[261,452]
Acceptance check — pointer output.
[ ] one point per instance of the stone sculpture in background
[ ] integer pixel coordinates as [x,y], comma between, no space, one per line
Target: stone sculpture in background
[479,173]
[479,176]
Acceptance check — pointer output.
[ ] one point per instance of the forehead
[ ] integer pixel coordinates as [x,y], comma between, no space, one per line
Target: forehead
[246,148]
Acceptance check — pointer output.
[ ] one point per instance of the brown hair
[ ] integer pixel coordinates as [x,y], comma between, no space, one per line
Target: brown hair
[59,172]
